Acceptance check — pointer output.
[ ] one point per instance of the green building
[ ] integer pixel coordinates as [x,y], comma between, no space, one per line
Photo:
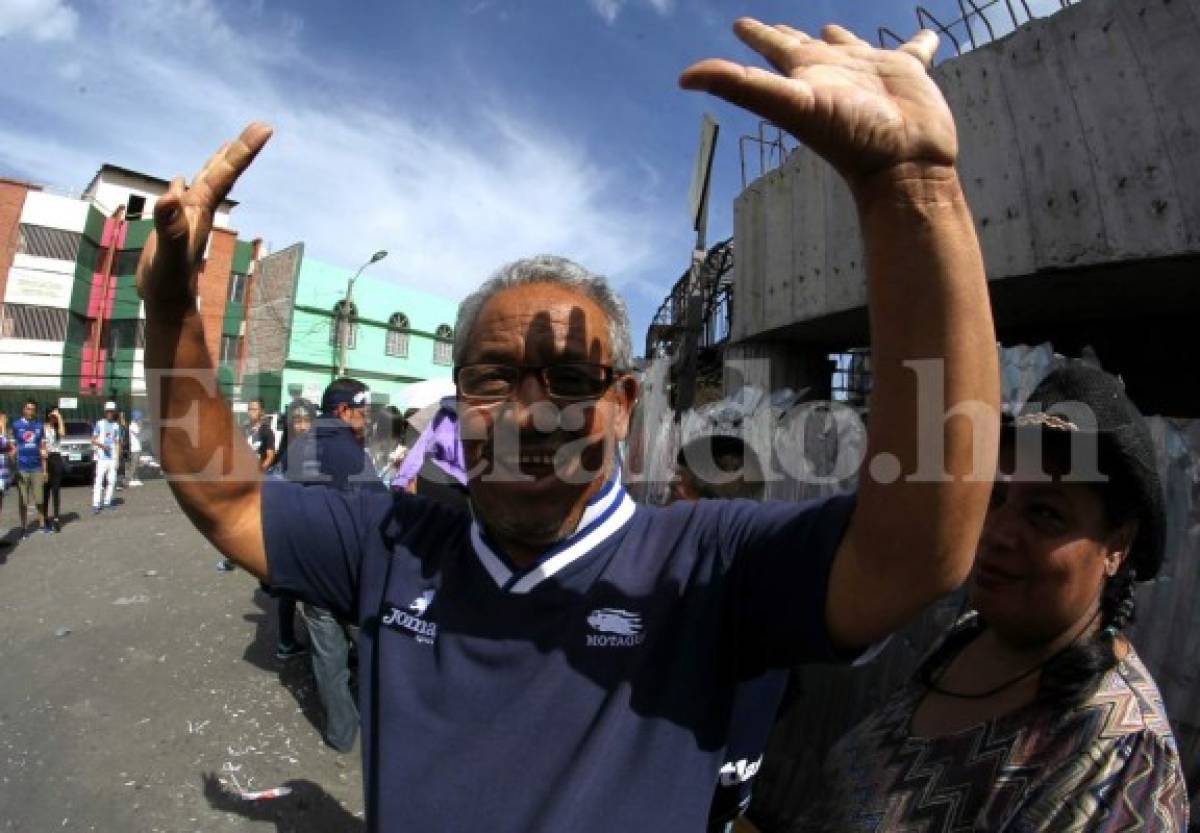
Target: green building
[397,336]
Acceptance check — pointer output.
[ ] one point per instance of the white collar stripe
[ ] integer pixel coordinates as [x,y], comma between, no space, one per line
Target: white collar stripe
[608,512]
[490,561]
[596,510]
[620,515]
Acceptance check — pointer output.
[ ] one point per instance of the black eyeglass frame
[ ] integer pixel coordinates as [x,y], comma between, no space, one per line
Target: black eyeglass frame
[611,374]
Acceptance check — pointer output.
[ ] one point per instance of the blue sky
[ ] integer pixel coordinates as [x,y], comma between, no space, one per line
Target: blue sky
[456,135]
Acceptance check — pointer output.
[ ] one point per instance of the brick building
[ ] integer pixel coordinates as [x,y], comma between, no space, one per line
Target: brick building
[71,323]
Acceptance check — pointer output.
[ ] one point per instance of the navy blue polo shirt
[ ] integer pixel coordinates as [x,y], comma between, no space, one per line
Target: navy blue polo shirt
[592,692]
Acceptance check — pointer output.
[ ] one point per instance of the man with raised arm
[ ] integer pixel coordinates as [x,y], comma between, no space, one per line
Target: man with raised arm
[558,658]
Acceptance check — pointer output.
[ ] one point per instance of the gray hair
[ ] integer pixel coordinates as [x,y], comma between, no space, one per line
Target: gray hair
[561,272]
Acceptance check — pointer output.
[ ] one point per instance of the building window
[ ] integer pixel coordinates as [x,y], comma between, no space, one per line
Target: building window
[126,334]
[127,261]
[351,325]
[397,336]
[43,241]
[851,379]
[33,322]
[237,288]
[231,349]
[89,255]
[443,345]
[136,207]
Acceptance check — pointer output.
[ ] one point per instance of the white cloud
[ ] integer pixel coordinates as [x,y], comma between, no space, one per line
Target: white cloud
[346,172]
[607,9]
[611,9]
[42,20]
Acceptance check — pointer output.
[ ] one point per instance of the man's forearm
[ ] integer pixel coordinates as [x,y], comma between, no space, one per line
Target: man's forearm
[208,466]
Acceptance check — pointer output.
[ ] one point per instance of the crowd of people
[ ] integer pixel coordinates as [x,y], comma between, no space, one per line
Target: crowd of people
[537,653]
[32,460]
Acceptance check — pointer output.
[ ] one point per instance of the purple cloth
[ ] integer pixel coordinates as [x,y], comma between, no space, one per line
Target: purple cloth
[439,441]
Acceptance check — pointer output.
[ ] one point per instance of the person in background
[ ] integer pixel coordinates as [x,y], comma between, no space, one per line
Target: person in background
[7,452]
[122,450]
[435,466]
[260,436]
[333,453]
[29,436]
[135,448]
[55,430]
[388,448]
[709,467]
[1035,712]
[106,442]
[298,421]
[717,466]
[261,439]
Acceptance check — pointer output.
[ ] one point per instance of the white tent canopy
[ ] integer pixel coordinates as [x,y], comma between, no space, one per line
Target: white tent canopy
[422,394]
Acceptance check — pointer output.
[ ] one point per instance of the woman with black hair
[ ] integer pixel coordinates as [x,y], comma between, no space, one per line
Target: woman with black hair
[1035,713]
[55,430]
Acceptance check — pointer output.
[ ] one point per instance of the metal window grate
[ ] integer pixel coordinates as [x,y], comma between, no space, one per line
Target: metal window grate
[443,353]
[397,344]
[443,346]
[851,381]
[351,325]
[43,241]
[33,322]
[397,339]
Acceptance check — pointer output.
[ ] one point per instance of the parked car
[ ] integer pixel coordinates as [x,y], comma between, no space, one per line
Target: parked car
[76,449]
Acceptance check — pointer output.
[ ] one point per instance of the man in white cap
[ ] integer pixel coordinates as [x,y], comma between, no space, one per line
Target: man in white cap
[106,438]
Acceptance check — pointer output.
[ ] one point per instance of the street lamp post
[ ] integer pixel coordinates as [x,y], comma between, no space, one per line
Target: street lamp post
[344,322]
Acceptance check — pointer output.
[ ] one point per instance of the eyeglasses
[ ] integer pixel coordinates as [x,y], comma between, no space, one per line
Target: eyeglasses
[569,380]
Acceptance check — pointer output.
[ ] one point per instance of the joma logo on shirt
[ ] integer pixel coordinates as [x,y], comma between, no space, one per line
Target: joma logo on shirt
[421,630]
[616,628]
[422,602]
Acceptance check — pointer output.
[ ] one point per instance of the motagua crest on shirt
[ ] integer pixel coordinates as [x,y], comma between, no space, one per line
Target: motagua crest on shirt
[615,628]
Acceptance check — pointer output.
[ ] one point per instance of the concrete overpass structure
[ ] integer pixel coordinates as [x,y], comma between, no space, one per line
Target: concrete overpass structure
[1080,137]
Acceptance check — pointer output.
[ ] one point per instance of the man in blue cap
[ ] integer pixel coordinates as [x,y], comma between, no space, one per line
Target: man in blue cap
[332,453]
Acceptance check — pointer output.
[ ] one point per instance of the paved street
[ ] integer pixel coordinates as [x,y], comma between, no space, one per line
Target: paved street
[137,682]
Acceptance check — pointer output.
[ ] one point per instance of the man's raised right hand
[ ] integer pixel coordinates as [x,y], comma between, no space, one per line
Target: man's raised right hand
[183,217]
